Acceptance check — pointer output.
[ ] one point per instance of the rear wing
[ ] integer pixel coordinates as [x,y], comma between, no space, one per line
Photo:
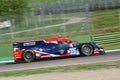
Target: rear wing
[21,45]
[16,45]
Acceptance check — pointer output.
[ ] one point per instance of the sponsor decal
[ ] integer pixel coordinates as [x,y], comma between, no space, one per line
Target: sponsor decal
[5,24]
[29,43]
[73,51]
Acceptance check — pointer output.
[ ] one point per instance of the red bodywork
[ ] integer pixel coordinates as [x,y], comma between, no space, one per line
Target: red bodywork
[17,53]
[59,39]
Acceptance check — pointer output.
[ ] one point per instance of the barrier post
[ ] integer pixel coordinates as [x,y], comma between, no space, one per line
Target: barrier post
[119,17]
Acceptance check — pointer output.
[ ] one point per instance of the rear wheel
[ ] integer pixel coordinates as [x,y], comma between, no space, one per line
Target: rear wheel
[86,49]
[28,56]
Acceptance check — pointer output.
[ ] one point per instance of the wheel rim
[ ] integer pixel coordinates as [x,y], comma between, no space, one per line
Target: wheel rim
[87,49]
[28,56]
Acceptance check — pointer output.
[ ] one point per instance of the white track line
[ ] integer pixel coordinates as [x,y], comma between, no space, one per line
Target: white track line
[8,61]
[116,50]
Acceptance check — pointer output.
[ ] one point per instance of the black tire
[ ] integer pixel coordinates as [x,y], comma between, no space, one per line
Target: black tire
[102,52]
[28,56]
[86,49]
[18,61]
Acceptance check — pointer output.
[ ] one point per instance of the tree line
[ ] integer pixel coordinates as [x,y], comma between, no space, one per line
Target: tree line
[13,7]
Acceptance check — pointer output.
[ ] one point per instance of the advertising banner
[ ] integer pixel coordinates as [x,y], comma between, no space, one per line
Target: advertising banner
[5,24]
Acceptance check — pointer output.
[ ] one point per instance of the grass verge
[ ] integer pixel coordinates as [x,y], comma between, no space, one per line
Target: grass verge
[6,50]
[111,46]
[105,18]
[93,66]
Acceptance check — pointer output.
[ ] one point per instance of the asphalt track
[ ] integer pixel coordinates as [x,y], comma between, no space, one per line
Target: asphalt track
[45,63]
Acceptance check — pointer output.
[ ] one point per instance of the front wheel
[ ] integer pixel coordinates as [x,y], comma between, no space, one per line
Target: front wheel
[86,49]
[28,56]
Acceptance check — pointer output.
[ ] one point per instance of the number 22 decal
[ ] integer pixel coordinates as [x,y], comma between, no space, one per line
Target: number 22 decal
[73,51]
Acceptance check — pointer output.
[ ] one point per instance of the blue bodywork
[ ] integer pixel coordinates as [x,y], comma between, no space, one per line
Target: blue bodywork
[51,48]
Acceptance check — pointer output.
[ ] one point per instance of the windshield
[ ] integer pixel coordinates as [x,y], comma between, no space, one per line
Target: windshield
[76,43]
[63,44]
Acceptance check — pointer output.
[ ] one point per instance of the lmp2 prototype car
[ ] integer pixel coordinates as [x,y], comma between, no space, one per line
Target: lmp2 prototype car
[53,47]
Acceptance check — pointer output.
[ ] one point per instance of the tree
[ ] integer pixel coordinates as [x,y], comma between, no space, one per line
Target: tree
[13,7]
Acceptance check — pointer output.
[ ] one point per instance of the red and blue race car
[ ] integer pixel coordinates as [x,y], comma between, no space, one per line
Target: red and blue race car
[53,47]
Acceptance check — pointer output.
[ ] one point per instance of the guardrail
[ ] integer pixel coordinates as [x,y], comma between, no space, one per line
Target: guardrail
[108,38]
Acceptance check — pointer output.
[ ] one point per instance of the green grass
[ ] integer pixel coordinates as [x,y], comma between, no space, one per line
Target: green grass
[111,46]
[32,23]
[105,65]
[65,15]
[52,30]
[6,50]
[106,22]
[104,13]
[105,18]
[101,19]
[81,38]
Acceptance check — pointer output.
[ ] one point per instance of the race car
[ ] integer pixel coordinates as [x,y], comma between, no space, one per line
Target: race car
[53,47]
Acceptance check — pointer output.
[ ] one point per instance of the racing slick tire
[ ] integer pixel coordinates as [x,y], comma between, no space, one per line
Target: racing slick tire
[86,49]
[28,56]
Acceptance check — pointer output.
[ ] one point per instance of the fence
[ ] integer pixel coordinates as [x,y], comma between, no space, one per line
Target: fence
[29,27]
[105,27]
[93,5]
[103,4]
[108,39]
